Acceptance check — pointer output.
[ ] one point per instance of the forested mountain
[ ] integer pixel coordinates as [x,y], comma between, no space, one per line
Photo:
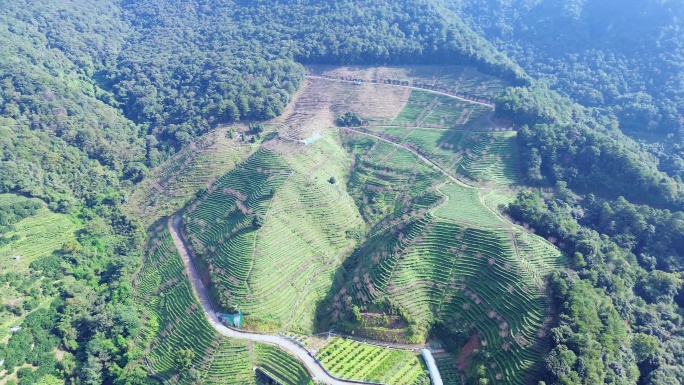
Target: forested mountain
[95,93]
[624,55]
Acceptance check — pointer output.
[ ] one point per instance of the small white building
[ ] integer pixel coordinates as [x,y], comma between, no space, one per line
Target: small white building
[15,329]
[17,257]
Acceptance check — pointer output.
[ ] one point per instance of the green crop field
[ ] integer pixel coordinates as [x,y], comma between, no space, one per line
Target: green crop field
[461,266]
[39,236]
[448,370]
[352,360]
[478,157]
[463,205]
[464,277]
[388,182]
[429,109]
[280,366]
[302,237]
[175,321]
[173,183]
[277,272]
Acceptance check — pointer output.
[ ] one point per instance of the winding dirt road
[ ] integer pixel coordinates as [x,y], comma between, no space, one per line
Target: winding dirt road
[315,369]
[421,157]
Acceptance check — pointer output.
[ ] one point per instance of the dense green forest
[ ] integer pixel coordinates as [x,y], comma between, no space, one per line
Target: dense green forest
[624,57]
[94,93]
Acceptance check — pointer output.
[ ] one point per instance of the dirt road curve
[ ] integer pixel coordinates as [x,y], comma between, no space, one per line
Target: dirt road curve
[424,159]
[316,370]
[489,105]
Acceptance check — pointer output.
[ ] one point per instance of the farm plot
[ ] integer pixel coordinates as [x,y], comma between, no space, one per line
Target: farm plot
[39,236]
[463,205]
[474,282]
[173,183]
[276,272]
[456,79]
[388,182]
[479,157]
[435,270]
[352,360]
[321,101]
[427,109]
[221,224]
[176,321]
[448,369]
[280,366]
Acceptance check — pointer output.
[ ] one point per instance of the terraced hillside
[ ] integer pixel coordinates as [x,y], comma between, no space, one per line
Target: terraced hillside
[175,321]
[455,263]
[459,80]
[337,229]
[477,157]
[174,182]
[32,239]
[277,269]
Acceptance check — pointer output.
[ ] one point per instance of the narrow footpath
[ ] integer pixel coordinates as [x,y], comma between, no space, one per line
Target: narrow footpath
[314,367]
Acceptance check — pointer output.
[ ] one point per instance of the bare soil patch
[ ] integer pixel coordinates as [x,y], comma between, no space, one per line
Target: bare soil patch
[465,357]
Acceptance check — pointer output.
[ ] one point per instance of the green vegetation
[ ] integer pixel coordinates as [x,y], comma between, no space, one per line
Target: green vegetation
[271,232]
[432,110]
[441,270]
[478,157]
[27,261]
[170,185]
[464,205]
[95,95]
[280,366]
[349,119]
[352,360]
[184,346]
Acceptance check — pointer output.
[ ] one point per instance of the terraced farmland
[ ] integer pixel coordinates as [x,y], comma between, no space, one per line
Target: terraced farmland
[460,265]
[352,360]
[427,109]
[40,236]
[173,183]
[480,157]
[455,79]
[388,182]
[463,277]
[277,272]
[464,205]
[280,366]
[176,321]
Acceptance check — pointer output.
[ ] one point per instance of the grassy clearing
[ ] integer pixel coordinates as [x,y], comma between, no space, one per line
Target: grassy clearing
[352,360]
